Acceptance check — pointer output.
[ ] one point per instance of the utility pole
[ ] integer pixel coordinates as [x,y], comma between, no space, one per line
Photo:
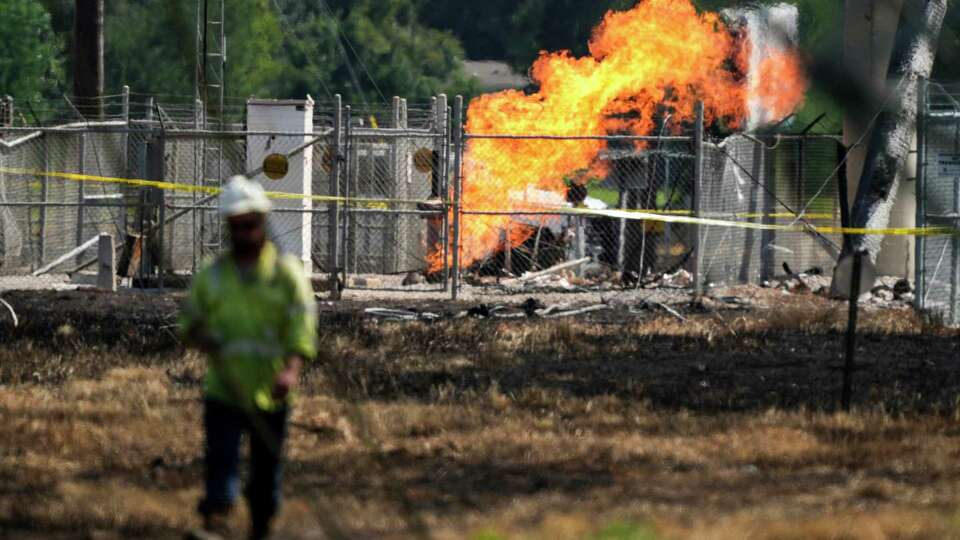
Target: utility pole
[88,57]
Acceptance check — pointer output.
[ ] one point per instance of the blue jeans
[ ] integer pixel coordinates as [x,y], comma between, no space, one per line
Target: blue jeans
[224,425]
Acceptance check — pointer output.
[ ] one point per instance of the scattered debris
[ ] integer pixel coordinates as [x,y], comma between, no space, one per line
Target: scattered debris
[414,278]
[554,269]
[401,314]
[901,288]
[13,313]
[889,291]
[671,311]
[597,272]
[531,306]
[572,312]
[681,279]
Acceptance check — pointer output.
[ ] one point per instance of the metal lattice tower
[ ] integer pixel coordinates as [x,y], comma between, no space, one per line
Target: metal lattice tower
[211,61]
[209,97]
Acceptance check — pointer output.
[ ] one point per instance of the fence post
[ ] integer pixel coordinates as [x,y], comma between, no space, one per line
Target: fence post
[333,219]
[442,126]
[125,112]
[763,168]
[152,208]
[44,198]
[457,191]
[955,257]
[160,173]
[393,237]
[107,263]
[198,173]
[698,276]
[850,342]
[921,195]
[81,192]
[347,173]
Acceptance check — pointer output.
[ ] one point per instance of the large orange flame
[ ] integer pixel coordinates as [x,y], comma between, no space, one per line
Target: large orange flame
[659,57]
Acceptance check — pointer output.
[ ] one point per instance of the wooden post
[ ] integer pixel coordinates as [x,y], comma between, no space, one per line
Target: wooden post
[107,263]
[88,57]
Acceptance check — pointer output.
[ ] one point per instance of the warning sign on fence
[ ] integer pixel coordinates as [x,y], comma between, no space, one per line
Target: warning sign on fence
[948,164]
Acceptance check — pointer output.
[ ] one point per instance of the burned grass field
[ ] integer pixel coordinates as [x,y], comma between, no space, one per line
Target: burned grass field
[625,423]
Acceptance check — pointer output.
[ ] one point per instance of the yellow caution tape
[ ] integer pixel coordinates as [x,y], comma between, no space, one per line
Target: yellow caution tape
[365,202]
[664,216]
[798,227]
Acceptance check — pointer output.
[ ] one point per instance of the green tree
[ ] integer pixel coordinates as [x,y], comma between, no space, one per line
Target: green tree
[553,25]
[151,46]
[30,60]
[367,51]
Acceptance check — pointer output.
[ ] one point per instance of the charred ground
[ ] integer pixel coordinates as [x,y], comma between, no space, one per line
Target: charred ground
[714,421]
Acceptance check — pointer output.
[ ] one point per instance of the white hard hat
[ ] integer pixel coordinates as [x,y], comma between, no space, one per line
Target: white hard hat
[242,196]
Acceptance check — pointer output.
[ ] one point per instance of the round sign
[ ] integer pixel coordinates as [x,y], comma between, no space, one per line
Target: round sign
[423,160]
[275,166]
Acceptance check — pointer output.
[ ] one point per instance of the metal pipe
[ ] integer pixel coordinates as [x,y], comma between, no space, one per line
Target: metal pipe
[345,211]
[443,120]
[81,187]
[120,126]
[649,138]
[21,140]
[297,210]
[955,259]
[65,205]
[198,172]
[333,221]
[71,126]
[44,197]
[921,196]
[457,192]
[160,172]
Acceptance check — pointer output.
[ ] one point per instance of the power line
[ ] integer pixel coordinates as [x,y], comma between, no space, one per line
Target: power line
[286,24]
[346,57]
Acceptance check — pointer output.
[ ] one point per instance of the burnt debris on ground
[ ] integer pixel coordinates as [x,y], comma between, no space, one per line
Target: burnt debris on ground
[736,349]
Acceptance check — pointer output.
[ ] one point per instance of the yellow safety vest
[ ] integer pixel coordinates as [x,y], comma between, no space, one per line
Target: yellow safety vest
[260,319]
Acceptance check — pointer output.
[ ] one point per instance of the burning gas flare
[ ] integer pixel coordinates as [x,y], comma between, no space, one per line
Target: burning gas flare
[658,58]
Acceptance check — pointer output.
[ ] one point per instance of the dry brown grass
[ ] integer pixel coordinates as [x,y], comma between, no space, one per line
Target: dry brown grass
[540,430]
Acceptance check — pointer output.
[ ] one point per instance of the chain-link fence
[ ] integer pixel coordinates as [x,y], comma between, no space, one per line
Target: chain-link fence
[375,198]
[366,203]
[769,181]
[938,200]
[517,219]
[44,218]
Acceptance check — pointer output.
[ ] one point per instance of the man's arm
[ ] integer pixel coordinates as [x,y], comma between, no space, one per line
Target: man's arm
[300,331]
[194,330]
[286,380]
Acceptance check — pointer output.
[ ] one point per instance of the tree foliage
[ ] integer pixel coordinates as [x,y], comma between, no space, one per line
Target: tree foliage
[30,59]
[276,48]
[367,50]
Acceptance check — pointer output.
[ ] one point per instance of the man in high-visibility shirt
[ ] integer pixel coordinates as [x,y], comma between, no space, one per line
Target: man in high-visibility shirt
[251,310]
